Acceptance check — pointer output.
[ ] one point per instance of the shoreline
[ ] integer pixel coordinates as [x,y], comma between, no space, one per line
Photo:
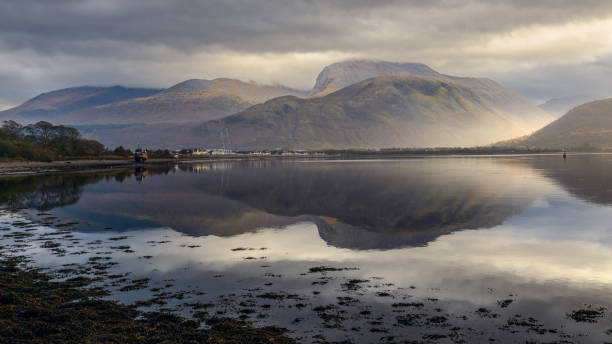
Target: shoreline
[28,168]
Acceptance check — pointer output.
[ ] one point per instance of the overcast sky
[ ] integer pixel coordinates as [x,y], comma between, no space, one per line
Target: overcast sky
[542,49]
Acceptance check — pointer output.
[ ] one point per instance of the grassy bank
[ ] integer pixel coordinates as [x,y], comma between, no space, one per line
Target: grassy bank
[35,309]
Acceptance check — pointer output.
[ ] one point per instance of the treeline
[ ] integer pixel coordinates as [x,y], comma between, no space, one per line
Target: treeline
[44,141]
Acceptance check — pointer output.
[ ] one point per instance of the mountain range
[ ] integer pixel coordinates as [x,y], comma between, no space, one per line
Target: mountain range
[190,100]
[386,111]
[359,103]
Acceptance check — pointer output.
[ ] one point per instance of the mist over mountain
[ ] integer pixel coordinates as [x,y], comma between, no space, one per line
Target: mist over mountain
[587,124]
[560,106]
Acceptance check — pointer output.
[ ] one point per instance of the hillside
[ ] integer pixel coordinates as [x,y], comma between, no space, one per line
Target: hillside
[342,74]
[54,105]
[388,111]
[587,124]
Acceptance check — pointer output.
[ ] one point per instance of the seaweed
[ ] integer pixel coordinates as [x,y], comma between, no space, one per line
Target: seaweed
[35,309]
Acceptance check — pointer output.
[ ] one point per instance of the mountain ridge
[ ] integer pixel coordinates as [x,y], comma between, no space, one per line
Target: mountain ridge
[51,105]
[187,112]
[190,100]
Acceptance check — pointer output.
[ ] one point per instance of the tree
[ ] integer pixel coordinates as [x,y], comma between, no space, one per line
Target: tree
[11,130]
[121,151]
[39,133]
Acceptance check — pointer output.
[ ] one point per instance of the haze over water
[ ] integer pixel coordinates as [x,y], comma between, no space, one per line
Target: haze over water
[444,249]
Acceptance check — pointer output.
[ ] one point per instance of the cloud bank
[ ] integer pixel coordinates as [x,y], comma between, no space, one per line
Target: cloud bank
[542,49]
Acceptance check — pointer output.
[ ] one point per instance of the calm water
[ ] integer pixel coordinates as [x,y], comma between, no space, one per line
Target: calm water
[450,249]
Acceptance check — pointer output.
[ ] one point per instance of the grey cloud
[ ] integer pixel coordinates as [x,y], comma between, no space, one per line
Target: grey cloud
[52,44]
[562,80]
[266,25]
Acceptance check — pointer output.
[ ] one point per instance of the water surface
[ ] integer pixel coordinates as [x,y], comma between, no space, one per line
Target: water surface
[448,249]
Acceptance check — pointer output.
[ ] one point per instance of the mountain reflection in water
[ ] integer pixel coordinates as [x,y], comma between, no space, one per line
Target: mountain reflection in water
[363,204]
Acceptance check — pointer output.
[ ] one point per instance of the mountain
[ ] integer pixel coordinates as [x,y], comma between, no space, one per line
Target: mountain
[343,74]
[386,111]
[52,106]
[587,124]
[560,106]
[191,100]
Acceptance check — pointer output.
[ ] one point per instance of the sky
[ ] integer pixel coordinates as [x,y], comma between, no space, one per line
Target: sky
[542,49]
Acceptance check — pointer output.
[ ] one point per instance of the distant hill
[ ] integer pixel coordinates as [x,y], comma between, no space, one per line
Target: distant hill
[53,106]
[387,111]
[560,106]
[587,124]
